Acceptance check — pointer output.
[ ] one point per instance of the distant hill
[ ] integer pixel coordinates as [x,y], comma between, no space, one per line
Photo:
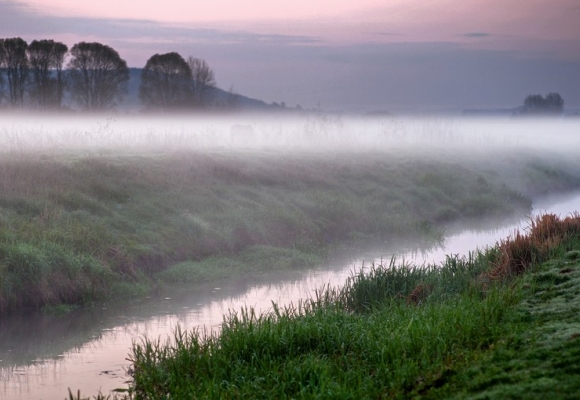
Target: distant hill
[220,97]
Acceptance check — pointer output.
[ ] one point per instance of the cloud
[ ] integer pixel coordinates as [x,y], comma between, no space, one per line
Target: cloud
[18,19]
[14,18]
[388,34]
[307,70]
[477,34]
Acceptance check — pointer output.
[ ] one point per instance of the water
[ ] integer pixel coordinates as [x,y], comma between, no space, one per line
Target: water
[42,356]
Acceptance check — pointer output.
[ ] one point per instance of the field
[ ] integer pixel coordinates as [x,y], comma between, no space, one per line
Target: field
[95,210]
[90,216]
[496,324]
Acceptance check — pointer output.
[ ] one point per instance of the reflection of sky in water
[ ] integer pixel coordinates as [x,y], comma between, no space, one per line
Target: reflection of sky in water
[100,364]
[469,240]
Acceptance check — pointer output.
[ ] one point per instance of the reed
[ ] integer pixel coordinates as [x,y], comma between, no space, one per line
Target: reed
[393,331]
[328,347]
[522,250]
[370,288]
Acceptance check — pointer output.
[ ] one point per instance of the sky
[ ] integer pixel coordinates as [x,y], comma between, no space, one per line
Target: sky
[364,55]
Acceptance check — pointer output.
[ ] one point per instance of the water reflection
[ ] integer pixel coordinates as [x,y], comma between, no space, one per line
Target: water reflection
[42,356]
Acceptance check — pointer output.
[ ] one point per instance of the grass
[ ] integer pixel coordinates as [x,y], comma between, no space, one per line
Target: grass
[457,330]
[94,209]
[481,329]
[255,259]
[81,221]
[80,229]
[316,352]
[540,358]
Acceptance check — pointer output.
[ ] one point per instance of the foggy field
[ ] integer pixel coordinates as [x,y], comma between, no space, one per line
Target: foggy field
[289,200]
[95,209]
[91,208]
[97,134]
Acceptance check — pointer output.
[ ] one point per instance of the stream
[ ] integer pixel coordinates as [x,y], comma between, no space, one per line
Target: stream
[41,356]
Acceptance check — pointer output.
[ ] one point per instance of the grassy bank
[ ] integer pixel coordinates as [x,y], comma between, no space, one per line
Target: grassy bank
[76,229]
[503,323]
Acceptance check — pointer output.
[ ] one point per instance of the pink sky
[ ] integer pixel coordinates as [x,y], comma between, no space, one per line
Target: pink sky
[204,11]
[339,53]
[348,21]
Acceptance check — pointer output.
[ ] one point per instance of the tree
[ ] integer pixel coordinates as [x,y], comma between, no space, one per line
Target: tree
[553,103]
[98,76]
[46,58]
[13,59]
[203,81]
[1,84]
[165,82]
[59,52]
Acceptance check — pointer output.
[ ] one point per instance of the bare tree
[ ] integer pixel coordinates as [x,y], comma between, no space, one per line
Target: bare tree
[203,81]
[165,82]
[2,82]
[60,51]
[98,76]
[14,61]
[46,58]
[1,87]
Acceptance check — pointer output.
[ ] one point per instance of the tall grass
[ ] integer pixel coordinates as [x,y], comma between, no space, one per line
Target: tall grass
[368,289]
[128,218]
[393,331]
[545,235]
[460,339]
[363,341]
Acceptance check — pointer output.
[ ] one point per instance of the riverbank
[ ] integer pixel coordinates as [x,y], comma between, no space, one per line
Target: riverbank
[503,323]
[80,229]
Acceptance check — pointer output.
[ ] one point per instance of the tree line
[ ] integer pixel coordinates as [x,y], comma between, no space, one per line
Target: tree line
[552,103]
[95,77]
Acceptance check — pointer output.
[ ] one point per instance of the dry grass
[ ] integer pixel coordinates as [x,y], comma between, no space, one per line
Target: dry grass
[419,294]
[545,233]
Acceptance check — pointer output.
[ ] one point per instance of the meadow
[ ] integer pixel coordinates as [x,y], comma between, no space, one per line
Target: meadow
[94,210]
[110,210]
[502,323]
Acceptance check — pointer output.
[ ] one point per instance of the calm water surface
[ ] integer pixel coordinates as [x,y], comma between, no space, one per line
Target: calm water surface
[42,356]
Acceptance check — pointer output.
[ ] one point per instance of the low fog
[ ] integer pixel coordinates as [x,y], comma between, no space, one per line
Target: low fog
[312,133]
[91,353]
